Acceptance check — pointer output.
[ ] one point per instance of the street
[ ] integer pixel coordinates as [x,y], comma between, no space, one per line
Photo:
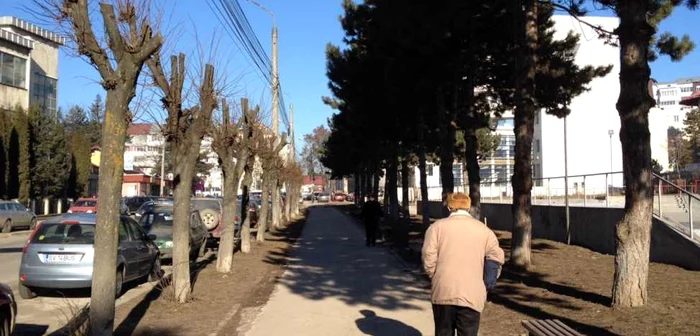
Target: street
[45,314]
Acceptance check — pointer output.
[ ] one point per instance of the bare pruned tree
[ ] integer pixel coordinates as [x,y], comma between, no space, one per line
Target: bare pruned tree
[267,149]
[232,142]
[184,130]
[118,53]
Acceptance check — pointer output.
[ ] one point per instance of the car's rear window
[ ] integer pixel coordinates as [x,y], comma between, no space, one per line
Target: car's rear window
[85,203]
[49,233]
[206,204]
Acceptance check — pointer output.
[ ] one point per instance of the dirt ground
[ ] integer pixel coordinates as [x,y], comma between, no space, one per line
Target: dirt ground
[574,284]
[218,300]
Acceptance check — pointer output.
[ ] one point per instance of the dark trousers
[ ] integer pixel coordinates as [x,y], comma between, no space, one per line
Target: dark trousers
[448,318]
[371,234]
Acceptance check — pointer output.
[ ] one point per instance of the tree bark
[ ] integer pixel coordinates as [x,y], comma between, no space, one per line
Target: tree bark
[447,141]
[224,259]
[392,188]
[632,238]
[524,131]
[276,222]
[288,203]
[245,220]
[422,166]
[184,173]
[264,212]
[472,164]
[107,225]
[405,172]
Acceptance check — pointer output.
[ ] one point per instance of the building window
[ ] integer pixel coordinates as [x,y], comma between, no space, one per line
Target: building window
[507,123]
[676,118]
[13,70]
[537,145]
[429,169]
[537,118]
[43,92]
[457,174]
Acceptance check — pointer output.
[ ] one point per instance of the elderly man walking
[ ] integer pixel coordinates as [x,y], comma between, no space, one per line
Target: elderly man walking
[462,258]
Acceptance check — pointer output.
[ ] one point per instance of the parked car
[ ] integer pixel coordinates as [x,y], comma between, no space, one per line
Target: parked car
[84,205]
[350,197]
[151,204]
[134,203]
[60,252]
[159,222]
[8,310]
[339,197]
[13,215]
[323,197]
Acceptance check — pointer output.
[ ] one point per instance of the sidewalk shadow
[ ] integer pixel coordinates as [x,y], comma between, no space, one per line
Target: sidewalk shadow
[332,261]
[374,325]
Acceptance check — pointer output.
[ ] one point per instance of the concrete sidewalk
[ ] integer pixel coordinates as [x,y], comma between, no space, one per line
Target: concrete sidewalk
[335,285]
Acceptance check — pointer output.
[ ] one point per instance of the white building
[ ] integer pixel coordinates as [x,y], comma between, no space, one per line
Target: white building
[28,65]
[592,137]
[669,94]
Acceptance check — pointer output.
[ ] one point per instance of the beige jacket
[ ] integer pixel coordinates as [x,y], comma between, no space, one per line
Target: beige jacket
[454,250]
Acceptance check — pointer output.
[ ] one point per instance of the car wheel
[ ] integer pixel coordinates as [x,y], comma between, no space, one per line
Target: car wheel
[119,283]
[32,224]
[7,227]
[26,292]
[156,272]
[210,218]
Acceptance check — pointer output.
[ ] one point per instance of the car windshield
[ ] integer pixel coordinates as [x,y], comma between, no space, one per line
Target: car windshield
[56,233]
[201,204]
[85,203]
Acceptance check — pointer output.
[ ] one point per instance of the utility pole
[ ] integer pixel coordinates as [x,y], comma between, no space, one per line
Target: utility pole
[162,169]
[275,83]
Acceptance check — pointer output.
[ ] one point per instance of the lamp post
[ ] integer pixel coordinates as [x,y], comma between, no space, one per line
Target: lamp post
[566,187]
[610,133]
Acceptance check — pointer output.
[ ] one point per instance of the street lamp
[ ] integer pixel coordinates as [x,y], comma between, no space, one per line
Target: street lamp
[610,133]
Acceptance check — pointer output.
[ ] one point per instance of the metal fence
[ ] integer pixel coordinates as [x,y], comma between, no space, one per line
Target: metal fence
[679,207]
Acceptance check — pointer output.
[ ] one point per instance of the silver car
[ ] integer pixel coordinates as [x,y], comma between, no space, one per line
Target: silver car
[324,197]
[13,215]
[60,251]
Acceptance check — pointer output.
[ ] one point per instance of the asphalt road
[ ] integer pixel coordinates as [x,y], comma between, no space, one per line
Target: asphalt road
[45,314]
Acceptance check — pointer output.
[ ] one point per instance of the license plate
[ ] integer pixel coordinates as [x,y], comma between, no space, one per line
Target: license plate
[62,258]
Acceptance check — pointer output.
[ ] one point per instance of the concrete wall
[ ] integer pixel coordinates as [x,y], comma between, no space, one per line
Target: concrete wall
[593,228]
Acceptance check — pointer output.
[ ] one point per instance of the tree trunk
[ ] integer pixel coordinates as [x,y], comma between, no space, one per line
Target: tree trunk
[405,172]
[447,141]
[425,206]
[472,164]
[524,131]
[184,173]
[224,259]
[632,239]
[245,220]
[358,187]
[368,182]
[392,189]
[276,204]
[107,225]
[377,178]
[288,203]
[264,211]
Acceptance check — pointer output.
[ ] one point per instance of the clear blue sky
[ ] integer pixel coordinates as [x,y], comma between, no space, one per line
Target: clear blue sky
[305,26]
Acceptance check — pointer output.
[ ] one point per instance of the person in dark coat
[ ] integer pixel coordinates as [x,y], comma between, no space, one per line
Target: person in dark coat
[371,213]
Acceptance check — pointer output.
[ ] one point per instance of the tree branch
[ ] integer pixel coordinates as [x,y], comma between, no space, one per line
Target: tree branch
[87,42]
[116,41]
[576,16]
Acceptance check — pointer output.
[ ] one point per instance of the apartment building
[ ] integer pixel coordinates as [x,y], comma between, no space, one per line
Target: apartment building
[28,65]
[668,96]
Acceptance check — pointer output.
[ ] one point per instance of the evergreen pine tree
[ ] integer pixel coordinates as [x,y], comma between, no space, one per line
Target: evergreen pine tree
[50,169]
[96,117]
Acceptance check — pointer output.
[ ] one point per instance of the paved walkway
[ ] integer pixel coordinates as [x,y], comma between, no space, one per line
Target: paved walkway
[337,286]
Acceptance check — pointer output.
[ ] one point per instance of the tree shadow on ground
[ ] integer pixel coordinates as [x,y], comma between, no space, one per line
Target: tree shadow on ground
[130,323]
[332,261]
[374,325]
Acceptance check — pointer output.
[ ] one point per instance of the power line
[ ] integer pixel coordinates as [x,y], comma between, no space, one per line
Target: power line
[233,18]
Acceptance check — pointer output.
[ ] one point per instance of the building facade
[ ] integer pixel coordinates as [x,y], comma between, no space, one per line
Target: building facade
[668,96]
[28,65]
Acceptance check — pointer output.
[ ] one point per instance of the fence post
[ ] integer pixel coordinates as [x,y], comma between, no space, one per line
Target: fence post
[584,190]
[47,206]
[549,192]
[660,192]
[607,192]
[690,214]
